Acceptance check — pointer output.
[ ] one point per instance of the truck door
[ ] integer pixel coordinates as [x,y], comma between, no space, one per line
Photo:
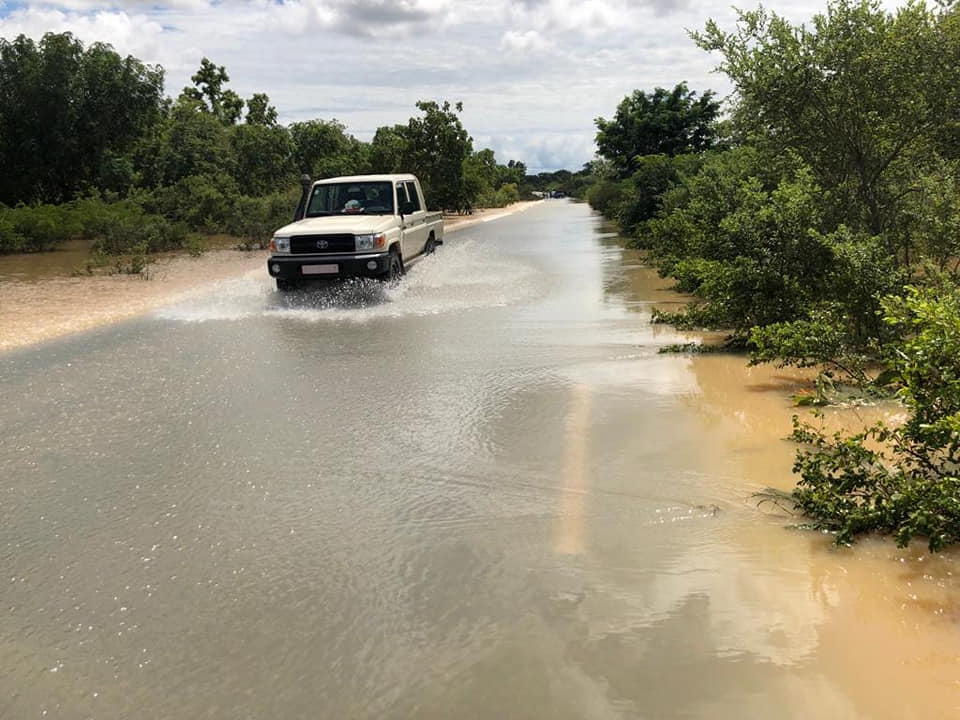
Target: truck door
[416,219]
[405,239]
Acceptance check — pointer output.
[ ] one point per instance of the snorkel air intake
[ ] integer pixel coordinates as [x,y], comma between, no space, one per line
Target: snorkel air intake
[305,183]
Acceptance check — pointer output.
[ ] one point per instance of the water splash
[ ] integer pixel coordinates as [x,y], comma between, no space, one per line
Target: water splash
[462,276]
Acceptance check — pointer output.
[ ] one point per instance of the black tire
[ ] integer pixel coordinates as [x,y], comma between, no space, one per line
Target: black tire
[286,285]
[394,269]
[430,247]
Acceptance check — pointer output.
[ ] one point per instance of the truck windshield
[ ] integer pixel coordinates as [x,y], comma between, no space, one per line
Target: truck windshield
[370,198]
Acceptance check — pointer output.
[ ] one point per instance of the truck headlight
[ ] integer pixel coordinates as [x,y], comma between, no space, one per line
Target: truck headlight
[371,242]
[280,244]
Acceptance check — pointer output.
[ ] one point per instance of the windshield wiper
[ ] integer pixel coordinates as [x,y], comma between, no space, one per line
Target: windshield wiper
[319,213]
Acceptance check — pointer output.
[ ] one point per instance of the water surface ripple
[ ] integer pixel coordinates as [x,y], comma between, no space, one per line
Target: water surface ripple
[481,493]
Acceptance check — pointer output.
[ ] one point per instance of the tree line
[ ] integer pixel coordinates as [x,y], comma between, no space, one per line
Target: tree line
[91,147]
[818,221]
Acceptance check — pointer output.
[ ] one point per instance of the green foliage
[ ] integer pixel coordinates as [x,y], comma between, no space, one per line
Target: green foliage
[86,128]
[209,94]
[513,173]
[388,149]
[323,148]
[749,247]
[201,202]
[260,111]
[195,245]
[11,241]
[191,142]
[667,122]
[255,218]
[35,228]
[841,329]
[489,184]
[857,93]
[501,197]
[480,177]
[134,233]
[263,158]
[822,339]
[607,196]
[929,225]
[843,186]
[68,115]
[654,176]
[436,147]
[900,480]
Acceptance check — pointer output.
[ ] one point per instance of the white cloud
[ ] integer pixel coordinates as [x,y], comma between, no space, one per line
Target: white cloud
[129,34]
[530,41]
[532,74]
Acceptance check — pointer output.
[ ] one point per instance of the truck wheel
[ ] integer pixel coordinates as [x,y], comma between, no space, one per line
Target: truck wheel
[430,247]
[286,285]
[394,269]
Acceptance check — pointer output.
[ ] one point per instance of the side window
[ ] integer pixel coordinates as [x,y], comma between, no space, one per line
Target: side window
[401,197]
[414,198]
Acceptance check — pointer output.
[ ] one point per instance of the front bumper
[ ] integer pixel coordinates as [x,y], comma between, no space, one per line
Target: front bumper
[291,267]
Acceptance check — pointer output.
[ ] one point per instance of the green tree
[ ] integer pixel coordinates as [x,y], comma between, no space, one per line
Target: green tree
[437,145]
[479,173]
[69,117]
[668,122]
[323,148]
[264,158]
[260,111]
[514,172]
[748,239]
[857,93]
[388,149]
[654,176]
[191,142]
[209,91]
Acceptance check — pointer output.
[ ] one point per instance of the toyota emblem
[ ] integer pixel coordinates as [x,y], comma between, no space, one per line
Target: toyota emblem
[322,244]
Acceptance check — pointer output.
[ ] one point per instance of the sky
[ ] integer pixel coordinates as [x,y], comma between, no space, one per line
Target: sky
[532,74]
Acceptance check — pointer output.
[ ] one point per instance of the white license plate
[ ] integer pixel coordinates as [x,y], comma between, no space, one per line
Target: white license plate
[329,269]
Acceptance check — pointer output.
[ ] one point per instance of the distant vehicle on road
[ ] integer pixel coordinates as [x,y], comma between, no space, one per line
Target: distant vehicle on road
[357,226]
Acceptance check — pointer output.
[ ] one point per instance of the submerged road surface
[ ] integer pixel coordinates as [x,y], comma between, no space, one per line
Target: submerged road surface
[479,494]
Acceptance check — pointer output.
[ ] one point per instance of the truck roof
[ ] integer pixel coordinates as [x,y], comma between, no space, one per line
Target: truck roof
[398,177]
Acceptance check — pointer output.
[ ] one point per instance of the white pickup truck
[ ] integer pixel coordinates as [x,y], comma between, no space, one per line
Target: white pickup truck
[359,226]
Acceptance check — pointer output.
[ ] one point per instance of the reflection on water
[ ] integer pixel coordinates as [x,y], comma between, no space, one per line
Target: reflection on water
[479,493]
[570,529]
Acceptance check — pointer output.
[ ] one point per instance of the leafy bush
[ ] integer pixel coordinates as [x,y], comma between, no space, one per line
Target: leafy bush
[842,332]
[902,480]
[134,233]
[256,218]
[822,339]
[204,203]
[35,228]
[607,196]
[11,241]
[654,176]
[195,245]
[501,197]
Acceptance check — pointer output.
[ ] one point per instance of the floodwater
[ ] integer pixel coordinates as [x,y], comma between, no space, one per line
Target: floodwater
[479,494]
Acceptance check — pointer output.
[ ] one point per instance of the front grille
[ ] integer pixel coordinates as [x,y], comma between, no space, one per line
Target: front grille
[320,244]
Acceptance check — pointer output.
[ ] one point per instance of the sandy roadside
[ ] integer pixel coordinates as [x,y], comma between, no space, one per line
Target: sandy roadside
[32,311]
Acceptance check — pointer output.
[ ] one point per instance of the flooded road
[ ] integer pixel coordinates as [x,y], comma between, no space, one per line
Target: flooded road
[482,493]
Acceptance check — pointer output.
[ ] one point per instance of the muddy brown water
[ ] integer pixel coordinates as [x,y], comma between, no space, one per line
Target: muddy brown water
[482,493]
